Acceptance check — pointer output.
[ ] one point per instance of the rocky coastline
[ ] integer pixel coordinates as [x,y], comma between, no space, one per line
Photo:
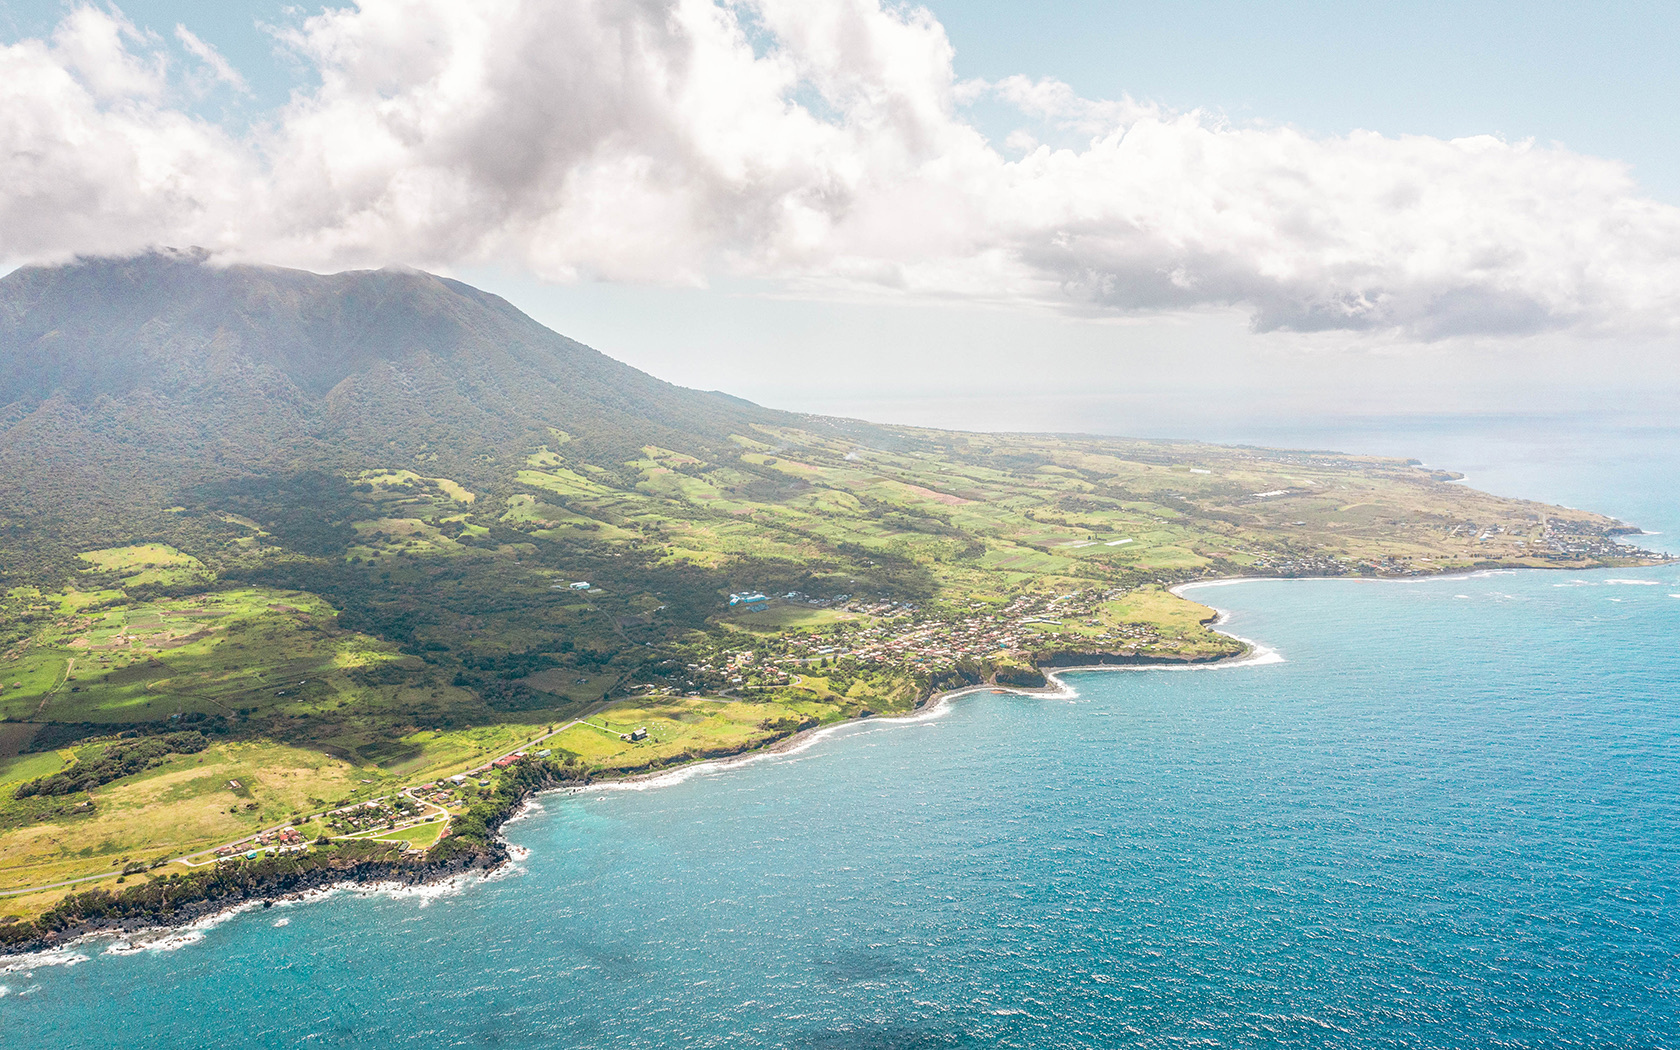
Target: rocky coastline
[473,846]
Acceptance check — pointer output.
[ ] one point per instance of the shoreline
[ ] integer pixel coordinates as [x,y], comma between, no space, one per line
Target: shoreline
[492,862]
[426,876]
[1254,654]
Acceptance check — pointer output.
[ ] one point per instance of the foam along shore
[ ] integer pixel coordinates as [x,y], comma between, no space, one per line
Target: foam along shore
[166,936]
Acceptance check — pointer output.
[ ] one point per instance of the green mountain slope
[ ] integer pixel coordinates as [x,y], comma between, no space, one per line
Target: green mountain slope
[125,382]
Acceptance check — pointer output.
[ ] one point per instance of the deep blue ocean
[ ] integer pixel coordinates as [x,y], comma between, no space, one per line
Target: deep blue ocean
[1447,816]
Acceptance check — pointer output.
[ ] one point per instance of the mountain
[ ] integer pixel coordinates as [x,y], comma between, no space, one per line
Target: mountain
[165,398]
[127,382]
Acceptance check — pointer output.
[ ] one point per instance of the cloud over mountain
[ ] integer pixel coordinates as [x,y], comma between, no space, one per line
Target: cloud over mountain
[825,143]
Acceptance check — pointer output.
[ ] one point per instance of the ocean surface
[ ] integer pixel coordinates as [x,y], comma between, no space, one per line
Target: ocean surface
[1443,814]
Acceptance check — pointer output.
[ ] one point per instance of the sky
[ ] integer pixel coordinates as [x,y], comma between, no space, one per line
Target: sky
[1150,218]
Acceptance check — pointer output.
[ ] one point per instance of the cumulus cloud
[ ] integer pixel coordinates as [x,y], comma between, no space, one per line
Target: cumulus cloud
[819,142]
[93,160]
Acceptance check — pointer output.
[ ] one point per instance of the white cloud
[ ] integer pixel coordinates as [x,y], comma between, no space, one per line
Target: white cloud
[818,142]
[95,46]
[91,162]
[218,65]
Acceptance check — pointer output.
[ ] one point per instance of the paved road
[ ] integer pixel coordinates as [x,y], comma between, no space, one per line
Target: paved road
[54,885]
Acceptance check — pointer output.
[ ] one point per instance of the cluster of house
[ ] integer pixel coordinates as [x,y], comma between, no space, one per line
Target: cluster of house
[382,813]
[901,637]
[440,793]
[387,812]
[278,838]
[1574,539]
[879,607]
[1293,564]
[987,631]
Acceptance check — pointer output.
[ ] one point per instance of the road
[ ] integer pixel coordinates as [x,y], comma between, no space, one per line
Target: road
[188,860]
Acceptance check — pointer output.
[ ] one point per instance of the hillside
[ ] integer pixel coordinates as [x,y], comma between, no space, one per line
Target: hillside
[333,524]
[126,383]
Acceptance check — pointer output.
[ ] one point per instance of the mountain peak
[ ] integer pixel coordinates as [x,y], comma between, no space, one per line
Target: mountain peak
[198,370]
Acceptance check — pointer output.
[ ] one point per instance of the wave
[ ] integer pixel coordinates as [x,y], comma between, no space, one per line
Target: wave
[529,808]
[62,956]
[170,940]
[423,892]
[796,745]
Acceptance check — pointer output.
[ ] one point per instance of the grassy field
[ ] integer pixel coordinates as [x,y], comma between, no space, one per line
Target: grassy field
[1159,608]
[789,618]
[147,564]
[193,802]
[18,768]
[1151,620]
[188,803]
[680,729]
[420,836]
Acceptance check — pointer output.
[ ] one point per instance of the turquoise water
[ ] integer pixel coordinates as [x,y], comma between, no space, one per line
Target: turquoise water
[1450,816]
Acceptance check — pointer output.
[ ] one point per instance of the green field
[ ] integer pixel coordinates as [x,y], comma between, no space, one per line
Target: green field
[146,565]
[788,617]
[184,805]
[420,836]
[685,729]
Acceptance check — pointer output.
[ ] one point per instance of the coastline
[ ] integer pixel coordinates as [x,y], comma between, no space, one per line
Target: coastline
[157,907]
[1255,653]
[288,887]
[496,855]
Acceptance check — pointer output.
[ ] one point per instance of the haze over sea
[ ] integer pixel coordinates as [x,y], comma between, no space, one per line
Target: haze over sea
[1448,817]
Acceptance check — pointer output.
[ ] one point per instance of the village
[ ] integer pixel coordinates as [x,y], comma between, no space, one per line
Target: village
[413,807]
[899,635]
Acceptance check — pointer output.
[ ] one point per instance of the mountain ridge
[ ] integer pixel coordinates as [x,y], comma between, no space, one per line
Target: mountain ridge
[163,315]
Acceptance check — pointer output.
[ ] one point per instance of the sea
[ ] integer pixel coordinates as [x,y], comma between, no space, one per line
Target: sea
[1441,813]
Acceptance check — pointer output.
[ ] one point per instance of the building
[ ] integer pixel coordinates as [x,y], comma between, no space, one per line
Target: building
[581,585]
[747,598]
